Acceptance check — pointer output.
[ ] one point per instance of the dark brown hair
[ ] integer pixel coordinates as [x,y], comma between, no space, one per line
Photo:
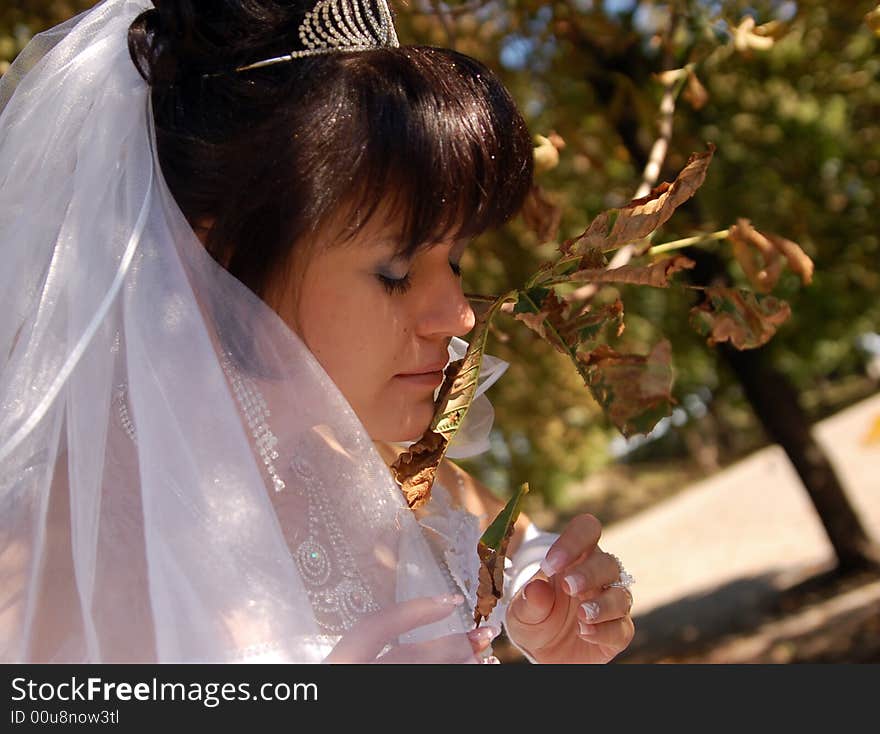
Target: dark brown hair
[269,155]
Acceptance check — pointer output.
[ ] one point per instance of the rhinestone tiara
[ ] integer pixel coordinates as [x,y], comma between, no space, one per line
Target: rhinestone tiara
[335,26]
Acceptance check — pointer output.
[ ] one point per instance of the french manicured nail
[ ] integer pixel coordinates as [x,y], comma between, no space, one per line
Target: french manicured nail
[526,588]
[452,600]
[574,584]
[587,629]
[491,660]
[483,635]
[591,610]
[554,562]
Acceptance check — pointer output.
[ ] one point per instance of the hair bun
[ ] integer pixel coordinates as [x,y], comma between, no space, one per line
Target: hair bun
[150,50]
[184,38]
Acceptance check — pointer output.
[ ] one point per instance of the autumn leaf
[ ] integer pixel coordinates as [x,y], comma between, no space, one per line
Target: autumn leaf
[635,391]
[416,468]
[745,319]
[695,93]
[797,259]
[492,550]
[873,20]
[541,215]
[557,322]
[617,227]
[655,274]
[546,152]
[761,256]
[759,259]
[747,37]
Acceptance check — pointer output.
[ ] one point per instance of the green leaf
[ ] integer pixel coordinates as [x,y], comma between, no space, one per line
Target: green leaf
[500,529]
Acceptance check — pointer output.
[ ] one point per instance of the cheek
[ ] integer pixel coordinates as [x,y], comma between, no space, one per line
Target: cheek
[352,341]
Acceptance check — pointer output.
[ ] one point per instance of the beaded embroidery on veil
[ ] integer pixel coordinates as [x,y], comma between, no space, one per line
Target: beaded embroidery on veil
[143,524]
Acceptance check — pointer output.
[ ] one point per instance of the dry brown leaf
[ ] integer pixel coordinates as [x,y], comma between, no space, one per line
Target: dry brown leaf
[541,215]
[656,274]
[490,582]
[416,468]
[558,322]
[546,152]
[746,36]
[632,223]
[743,318]
[695,93]
[492,550]
[760,256]
[550,314]
[592,259]
[872,18]
[555,138]
[634,390]
[797,259]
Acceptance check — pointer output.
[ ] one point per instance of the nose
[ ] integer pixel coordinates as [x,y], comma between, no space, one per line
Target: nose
[446,312]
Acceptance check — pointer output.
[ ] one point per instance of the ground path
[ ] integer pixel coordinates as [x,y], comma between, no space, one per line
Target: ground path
[728,542]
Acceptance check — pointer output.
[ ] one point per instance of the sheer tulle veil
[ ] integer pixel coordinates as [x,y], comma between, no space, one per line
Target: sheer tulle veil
[179,478]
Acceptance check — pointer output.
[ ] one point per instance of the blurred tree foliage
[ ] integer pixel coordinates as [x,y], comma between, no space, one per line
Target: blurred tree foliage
[21,19]
[788,91]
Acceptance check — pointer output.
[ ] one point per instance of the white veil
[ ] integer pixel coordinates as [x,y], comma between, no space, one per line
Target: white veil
[151,406]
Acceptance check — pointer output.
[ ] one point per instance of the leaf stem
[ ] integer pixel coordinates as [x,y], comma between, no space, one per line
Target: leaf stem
[572,354]
[688,241]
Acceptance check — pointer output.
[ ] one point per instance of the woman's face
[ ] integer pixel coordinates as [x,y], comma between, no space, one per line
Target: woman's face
[372,320]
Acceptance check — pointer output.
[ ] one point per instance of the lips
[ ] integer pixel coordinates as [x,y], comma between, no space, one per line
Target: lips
[429,369]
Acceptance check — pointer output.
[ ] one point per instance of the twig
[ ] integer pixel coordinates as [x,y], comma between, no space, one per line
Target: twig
[688,241]
[650,174]
[649,179]
[661,145]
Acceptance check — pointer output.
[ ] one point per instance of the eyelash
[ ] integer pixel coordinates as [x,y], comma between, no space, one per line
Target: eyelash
[402,285]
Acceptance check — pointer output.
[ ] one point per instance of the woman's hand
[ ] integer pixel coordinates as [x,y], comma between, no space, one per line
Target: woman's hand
[366,639]
[565,613]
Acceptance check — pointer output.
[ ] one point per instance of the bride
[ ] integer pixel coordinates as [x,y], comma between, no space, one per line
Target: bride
[231,240]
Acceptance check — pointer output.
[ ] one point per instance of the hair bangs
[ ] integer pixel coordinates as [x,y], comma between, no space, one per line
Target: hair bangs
[444,152]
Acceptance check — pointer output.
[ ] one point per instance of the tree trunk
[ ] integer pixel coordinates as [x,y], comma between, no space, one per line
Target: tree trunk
[775,403]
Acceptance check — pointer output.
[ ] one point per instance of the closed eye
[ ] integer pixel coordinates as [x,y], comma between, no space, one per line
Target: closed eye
[396,286]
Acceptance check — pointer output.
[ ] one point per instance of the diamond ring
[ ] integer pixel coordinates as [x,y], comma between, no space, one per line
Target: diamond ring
[625,580]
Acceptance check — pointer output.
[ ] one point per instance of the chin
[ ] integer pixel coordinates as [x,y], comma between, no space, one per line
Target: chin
[410,427]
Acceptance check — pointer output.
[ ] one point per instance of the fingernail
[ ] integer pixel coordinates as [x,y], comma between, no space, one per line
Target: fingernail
[586,629]
[554,562]
[491,660]
[591,610]
[483,635]
[526,589]
[451,599]
[574,584]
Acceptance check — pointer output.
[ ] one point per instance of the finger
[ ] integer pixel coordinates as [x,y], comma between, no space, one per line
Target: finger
[580,536]
[610,604]
[617,633]
[595,571]
[450,649]
[534,603]
[481,637]
[366,639]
